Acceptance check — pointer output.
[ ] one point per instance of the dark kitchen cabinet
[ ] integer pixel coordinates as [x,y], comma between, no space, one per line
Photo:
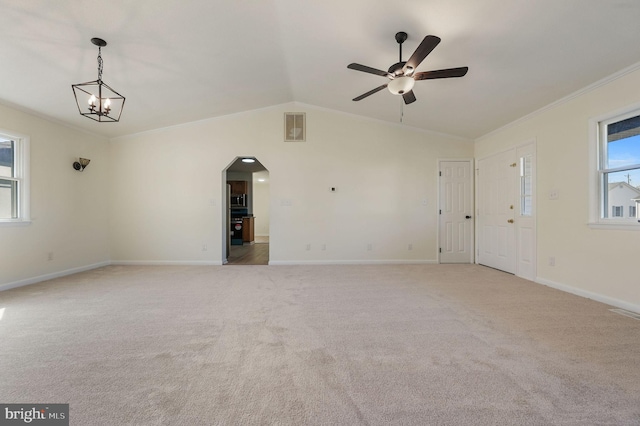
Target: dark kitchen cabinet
[238,186]
[247,229]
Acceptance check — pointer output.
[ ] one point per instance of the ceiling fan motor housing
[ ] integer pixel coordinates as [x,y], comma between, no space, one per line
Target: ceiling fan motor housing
[397,69]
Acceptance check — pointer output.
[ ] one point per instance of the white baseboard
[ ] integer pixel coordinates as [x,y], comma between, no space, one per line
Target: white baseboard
[52,275]
[562,287]
[352,262]
[166,262]
[590,295]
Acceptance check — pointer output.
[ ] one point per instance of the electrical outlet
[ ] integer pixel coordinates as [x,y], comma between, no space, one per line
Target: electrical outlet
[323,247]
[369,247]
[552,261]
[308,247]
[410,247]
[204,247]
[554,194]
[50,256]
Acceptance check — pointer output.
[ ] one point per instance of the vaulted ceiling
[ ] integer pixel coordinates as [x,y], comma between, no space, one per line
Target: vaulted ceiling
[178,61]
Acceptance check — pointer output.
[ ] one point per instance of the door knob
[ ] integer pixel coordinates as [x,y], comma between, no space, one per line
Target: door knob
[510,221]
[467,217]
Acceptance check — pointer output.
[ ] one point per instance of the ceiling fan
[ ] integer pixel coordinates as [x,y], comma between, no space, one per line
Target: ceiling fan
[403,75]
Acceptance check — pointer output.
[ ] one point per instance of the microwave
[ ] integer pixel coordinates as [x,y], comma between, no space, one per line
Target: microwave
[238,200]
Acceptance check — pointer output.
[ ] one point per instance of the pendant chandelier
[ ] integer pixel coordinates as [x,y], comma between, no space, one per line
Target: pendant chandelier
[95,99]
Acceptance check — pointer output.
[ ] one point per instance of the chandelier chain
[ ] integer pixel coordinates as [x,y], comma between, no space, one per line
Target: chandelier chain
[99,63]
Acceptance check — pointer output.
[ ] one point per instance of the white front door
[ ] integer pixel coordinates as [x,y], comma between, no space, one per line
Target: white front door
[497,177]
[456,211]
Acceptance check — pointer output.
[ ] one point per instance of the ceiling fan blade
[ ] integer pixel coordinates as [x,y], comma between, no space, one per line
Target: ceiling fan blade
[428,44]
[370,92]
[409,97]
[370,70]
[448,73]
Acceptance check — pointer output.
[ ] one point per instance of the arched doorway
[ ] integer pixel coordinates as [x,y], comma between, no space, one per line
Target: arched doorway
[246,202]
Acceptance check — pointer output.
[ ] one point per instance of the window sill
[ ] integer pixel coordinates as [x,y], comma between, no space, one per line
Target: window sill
[16,222]
[619,226]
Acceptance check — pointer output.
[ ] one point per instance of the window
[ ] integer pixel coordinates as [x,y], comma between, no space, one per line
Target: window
[526,186]
[616,211]
[14,183]
[619,167]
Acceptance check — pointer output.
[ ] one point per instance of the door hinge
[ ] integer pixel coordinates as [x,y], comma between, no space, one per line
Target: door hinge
[440,211]
[440,249]
[439,173]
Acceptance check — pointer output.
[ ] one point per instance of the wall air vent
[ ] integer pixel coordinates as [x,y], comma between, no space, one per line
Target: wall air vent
[294,127]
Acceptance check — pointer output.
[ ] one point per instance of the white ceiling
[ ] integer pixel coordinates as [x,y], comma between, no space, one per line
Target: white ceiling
[183,60]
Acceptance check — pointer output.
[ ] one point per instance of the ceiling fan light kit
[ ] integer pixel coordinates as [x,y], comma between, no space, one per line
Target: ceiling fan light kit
[402,74]
[95,99]
[401,85]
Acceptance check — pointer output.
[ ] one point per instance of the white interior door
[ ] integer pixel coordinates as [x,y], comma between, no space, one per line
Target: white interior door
[497,177]
[456,211]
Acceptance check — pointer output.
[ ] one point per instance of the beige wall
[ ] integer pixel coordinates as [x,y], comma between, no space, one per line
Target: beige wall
[166,198]
[592,262]
[69,209]
[158,196]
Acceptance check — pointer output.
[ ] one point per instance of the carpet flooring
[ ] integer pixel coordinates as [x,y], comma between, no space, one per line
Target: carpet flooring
[317,345]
